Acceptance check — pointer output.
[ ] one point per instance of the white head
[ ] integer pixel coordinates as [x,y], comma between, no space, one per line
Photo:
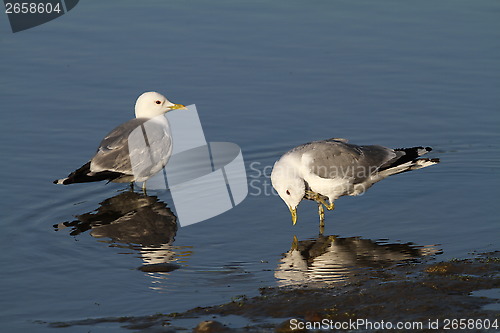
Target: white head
[289,185]
[152,104]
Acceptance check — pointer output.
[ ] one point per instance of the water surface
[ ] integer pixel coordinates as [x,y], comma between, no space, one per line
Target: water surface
[266,76]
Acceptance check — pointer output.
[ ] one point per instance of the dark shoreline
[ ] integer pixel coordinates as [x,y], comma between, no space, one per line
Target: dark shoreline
[410,292]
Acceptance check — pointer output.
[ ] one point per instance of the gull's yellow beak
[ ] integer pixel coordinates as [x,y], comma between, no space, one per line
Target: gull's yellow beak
[178,107]
[293,211]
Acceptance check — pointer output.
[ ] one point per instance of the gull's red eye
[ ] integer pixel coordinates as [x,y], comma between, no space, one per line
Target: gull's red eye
[158,102]
[287,192]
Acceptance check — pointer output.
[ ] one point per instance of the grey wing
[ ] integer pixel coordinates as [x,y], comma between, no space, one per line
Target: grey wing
[150,147]
[337,159]
[113,152]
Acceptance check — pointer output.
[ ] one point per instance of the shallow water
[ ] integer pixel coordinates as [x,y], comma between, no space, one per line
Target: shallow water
[266,77]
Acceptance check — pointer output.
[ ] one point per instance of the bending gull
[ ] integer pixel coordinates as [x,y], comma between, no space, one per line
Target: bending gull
[326,170]
[119,160]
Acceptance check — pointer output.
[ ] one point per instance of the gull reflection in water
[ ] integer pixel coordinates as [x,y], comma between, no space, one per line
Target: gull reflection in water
[138,222]
[332,259]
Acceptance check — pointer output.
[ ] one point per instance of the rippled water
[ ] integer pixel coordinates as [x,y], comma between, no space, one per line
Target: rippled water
[266,76]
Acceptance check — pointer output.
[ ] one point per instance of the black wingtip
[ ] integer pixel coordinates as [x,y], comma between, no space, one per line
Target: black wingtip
[407,150]
[55,181]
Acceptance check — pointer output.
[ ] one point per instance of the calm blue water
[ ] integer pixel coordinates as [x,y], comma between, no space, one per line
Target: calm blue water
[264,75]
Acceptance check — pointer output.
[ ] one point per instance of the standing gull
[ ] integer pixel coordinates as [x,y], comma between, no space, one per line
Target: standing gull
[121,157]
[326,170]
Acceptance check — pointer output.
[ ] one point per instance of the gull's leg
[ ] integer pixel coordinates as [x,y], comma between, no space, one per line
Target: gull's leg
[329,206]
[144,188]
[318,198]
[132,186]
[311,195]
[321,213]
